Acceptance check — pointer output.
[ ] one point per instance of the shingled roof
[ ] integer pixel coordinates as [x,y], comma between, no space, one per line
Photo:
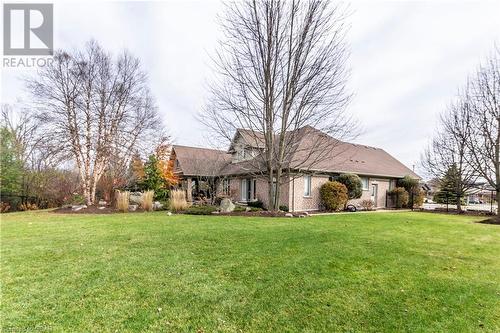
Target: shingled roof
[345,157]
[315,151]
[199,162]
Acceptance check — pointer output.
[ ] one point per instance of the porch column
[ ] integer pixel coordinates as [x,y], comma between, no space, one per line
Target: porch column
[189,195]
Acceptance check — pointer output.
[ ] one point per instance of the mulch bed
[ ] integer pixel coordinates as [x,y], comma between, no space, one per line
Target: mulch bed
[494,220]
[456,212]
[111,210]
[263,213]
[91,210]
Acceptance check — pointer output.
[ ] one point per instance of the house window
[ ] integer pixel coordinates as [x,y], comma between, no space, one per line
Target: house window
[226,187]
[240,154]
[307,186]
[364,181]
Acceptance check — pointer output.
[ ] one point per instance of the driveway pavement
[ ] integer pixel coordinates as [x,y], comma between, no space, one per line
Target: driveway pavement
[483,207]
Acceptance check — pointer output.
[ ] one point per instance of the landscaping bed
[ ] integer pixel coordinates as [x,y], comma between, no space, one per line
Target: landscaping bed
[92,210]
[193,210]
[453,211]
[262,213]
[239,211]
[493,220]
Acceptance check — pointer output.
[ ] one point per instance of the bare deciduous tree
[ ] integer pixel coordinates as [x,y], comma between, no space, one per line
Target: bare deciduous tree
[470,139]
[24,129]
[94,108]
[20,121]
[483,99]
[281,67]
[448,152]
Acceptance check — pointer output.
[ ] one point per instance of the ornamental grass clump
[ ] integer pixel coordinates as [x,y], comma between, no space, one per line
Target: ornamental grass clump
[122,199]
[178,200]
[147,200]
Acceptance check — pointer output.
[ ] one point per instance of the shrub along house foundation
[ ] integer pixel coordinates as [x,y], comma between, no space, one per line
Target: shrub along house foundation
[208,173]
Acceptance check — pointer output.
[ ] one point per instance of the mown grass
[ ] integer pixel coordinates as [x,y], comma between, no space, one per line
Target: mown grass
[373,272]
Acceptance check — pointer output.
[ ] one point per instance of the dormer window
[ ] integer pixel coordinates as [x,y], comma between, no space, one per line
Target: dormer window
[248,153]
[243,149]
[243,154]
[240,154]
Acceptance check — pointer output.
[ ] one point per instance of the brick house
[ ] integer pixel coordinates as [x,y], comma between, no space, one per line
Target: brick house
[236,173]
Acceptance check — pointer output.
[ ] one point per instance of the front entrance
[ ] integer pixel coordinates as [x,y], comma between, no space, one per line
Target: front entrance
[374,194]
[248,187]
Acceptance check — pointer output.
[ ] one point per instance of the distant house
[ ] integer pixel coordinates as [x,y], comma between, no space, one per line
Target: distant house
[480,193]
[233,173]
[430,188]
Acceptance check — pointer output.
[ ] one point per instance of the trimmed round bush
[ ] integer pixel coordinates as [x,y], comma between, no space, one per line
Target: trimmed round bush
[283,208]
[408,183]
[353,184]
[333,195]
[399,197]
[418,199]
[255,204]
[412,188]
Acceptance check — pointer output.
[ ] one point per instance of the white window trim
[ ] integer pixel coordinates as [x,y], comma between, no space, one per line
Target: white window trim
[367,188]
[243,189]
[307,186]
[226,186]
[244,185]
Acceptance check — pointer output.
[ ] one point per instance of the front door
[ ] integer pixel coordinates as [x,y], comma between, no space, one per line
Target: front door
[374,194]
[247,189]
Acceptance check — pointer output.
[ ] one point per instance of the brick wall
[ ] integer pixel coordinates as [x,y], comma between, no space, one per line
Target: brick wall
[262,191]
[292,192]
[383,187]
[384,184]
[299,202]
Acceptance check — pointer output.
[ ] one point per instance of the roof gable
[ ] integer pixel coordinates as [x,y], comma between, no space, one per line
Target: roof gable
[199,162]
[248,137]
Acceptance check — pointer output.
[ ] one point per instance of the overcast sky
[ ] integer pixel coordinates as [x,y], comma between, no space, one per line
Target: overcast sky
[407,59]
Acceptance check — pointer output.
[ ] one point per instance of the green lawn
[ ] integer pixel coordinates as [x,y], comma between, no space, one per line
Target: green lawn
[373,272]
